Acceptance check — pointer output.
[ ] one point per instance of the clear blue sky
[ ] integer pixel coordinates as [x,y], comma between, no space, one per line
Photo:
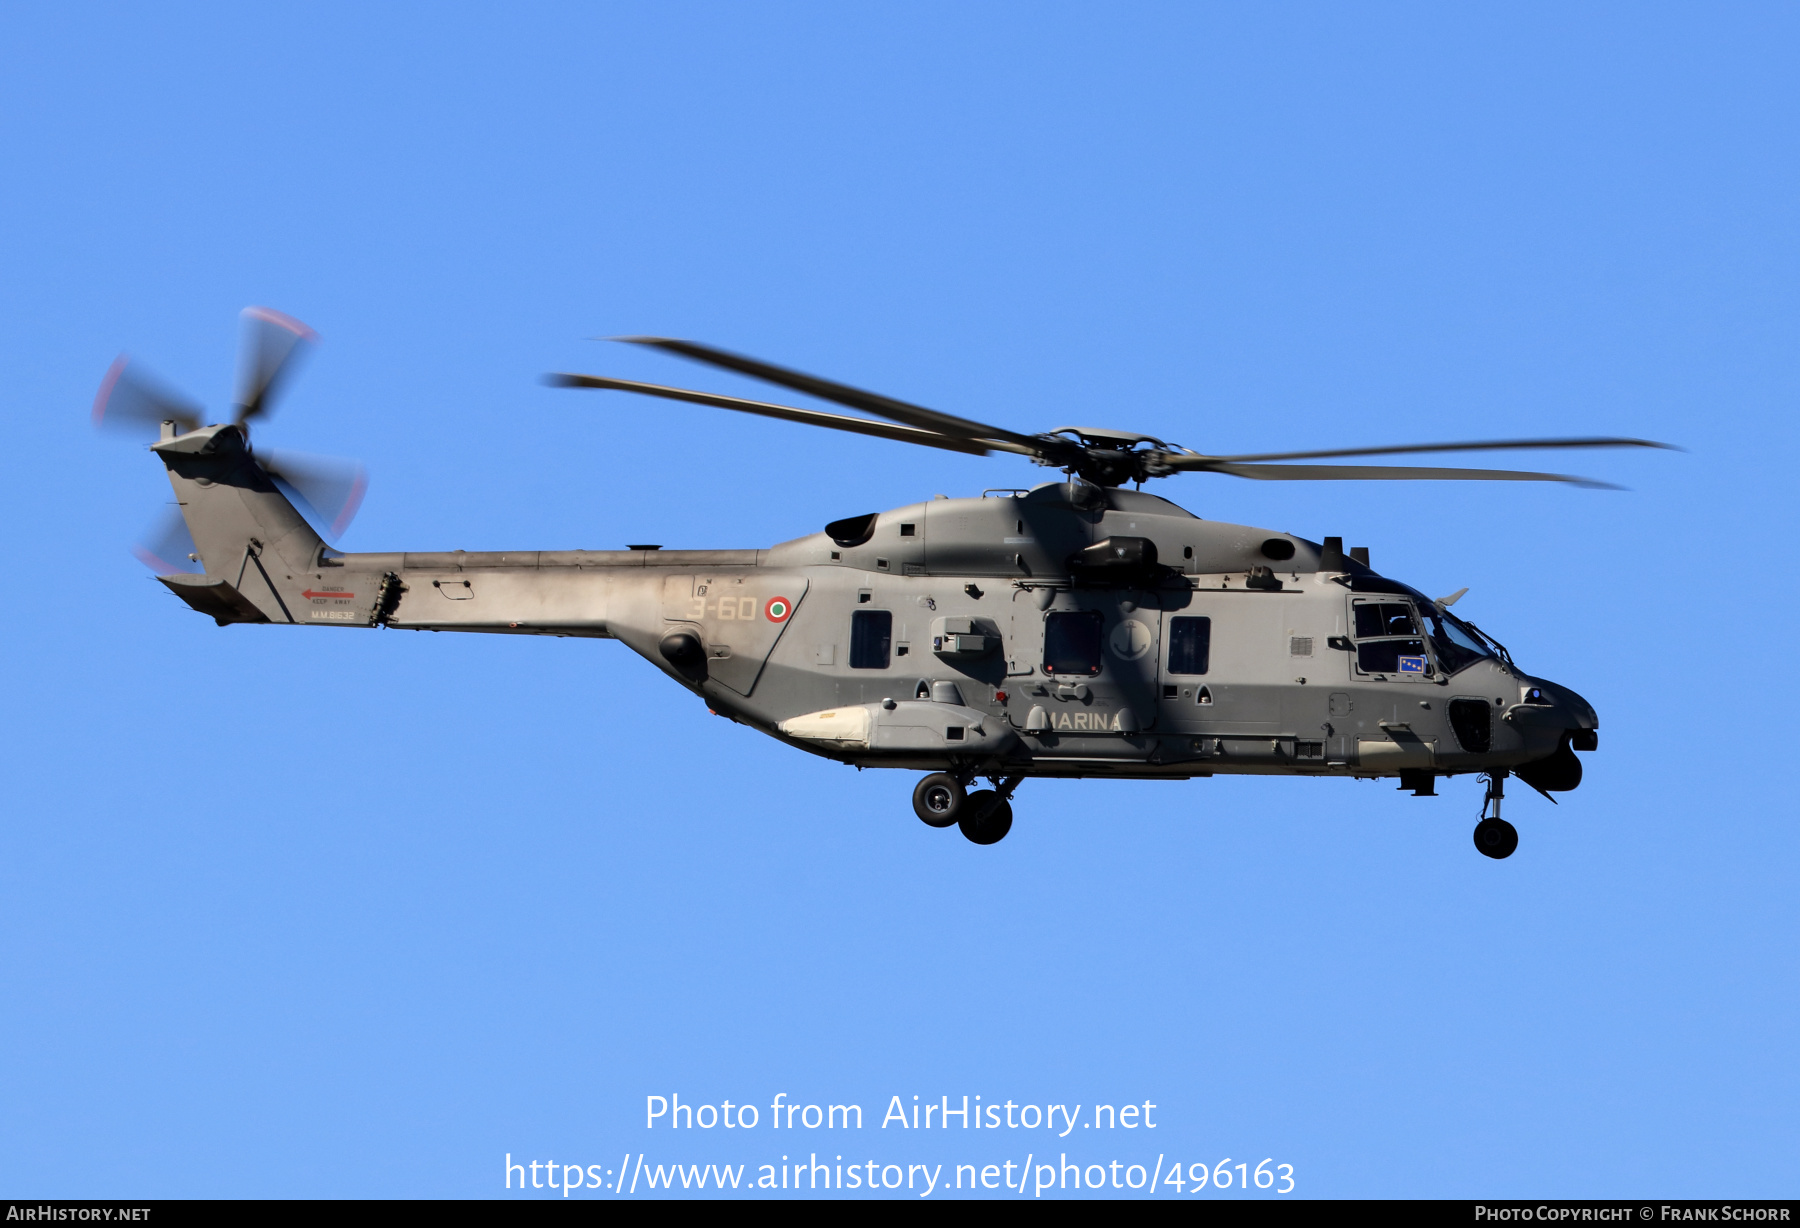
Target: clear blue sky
[331,913]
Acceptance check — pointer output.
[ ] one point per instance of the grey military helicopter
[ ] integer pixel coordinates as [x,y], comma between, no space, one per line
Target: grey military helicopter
[1075,629]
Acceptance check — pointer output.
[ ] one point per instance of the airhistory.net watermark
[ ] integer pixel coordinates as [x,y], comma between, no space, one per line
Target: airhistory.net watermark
[1035,1176]
[668,1112]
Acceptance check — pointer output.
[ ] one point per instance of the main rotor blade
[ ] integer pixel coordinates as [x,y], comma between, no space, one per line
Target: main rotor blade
[843,394]
[270,340]
[130,402]
[331,487]
[1379,473]
[1494,445]
[813,417]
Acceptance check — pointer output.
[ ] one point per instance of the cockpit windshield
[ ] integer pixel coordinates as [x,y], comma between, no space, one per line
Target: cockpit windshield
[1456,643]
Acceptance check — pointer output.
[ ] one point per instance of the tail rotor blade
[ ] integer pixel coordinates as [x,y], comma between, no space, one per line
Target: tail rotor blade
[166,547]
[330,487]
[270,346]
[130,402]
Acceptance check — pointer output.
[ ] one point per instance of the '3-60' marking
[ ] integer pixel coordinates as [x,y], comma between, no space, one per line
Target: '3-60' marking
[742,609]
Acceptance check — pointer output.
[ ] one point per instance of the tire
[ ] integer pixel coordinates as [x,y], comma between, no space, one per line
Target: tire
[986,817]
[1496,838]
[939,800]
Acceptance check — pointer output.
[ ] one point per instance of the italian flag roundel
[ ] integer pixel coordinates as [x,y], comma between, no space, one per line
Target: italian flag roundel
[778,609]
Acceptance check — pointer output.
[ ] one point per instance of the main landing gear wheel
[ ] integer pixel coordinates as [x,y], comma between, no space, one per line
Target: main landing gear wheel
[986,817]
[939,800]
[1496,838]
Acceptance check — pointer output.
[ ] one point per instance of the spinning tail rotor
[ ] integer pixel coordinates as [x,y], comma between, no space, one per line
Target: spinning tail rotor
[134,403]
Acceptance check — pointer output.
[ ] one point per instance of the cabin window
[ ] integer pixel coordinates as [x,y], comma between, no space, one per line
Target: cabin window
[1072,642]
[1190,645]
[871,633]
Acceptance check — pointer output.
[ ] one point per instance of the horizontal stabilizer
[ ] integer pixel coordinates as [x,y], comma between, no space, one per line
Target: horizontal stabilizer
[215,598]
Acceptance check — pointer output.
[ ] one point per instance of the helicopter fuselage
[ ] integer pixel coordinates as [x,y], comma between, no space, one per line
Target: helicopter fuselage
[1070,630]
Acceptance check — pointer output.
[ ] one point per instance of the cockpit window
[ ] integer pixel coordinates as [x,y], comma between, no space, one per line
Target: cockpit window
[1388,640]
[1392,657]
[1457,644]
[1387,618]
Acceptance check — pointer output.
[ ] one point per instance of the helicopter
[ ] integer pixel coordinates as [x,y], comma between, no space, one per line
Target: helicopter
[1074,629]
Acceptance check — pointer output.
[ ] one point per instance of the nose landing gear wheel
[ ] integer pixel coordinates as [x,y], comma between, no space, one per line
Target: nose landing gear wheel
[986,817]
[939,800]
[1496,838]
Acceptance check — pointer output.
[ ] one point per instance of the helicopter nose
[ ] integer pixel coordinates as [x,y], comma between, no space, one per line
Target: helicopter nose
[1549,707]
[1577,712]
[1559,707]
[1584,724]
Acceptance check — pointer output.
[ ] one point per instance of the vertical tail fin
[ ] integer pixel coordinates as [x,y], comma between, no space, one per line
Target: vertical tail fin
[255,545]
